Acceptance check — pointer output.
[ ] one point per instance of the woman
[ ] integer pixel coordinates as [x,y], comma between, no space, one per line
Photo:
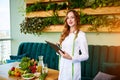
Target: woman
[72,41]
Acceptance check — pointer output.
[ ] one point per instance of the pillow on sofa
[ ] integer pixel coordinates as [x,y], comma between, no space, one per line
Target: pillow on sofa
[111,68]
[13,57]
[103,76]
[10,61]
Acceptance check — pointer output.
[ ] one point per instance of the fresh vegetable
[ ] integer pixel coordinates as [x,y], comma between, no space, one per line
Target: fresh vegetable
[28,65]
[43,76]
[28,75]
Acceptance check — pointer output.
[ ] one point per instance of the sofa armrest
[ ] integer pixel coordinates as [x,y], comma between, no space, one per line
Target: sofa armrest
[10,61]
[13,57]
[16,57]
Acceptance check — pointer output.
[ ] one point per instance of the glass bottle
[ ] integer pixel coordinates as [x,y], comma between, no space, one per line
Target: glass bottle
[40,64]
[45,68]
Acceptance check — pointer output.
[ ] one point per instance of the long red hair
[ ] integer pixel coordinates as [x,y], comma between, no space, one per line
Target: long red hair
[66,29]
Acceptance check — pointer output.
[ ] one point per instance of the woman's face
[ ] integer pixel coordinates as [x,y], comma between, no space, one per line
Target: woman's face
[71,19]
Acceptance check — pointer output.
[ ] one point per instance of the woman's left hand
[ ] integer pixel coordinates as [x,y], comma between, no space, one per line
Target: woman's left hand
[65,55]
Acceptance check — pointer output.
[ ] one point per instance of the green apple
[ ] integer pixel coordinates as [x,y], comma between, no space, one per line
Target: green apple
[12,73]
[9,72]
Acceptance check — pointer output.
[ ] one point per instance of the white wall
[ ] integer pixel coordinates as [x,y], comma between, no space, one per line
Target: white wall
[18,37]
[104,38]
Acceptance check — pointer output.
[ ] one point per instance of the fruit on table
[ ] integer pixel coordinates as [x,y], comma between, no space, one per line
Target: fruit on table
[26,65]
[13,68]
[15,72]
[12,73]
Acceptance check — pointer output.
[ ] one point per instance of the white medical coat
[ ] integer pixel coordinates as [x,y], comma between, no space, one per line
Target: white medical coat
[65,66]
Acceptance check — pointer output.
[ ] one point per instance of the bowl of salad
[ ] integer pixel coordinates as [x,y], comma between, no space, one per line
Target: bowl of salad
[28,76]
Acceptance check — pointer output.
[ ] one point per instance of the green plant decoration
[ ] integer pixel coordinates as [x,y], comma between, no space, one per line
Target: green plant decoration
[39,6]
[36,25]
[109,21]
[99,21]
[86,19]
[92,3]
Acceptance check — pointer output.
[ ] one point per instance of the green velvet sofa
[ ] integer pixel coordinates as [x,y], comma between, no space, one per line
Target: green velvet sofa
[101,58]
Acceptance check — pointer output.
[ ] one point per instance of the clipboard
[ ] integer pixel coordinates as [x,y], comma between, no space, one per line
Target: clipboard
[55,46]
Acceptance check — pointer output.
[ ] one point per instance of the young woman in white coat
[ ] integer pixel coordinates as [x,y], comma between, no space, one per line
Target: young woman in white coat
[74,44]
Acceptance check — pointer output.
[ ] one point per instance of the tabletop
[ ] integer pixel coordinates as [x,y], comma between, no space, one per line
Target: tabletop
[52,74]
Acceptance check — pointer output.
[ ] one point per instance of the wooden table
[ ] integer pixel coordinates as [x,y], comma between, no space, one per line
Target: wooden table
[52,74]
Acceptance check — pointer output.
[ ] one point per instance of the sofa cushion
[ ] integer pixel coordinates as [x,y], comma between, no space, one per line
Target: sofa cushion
[111,68]
[103,76]
[14,57]
[10,61]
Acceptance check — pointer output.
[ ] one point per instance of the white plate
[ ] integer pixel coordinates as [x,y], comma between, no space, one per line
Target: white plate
[28,78]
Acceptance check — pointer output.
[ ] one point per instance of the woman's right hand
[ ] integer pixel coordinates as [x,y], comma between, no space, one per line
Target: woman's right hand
[65,55]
